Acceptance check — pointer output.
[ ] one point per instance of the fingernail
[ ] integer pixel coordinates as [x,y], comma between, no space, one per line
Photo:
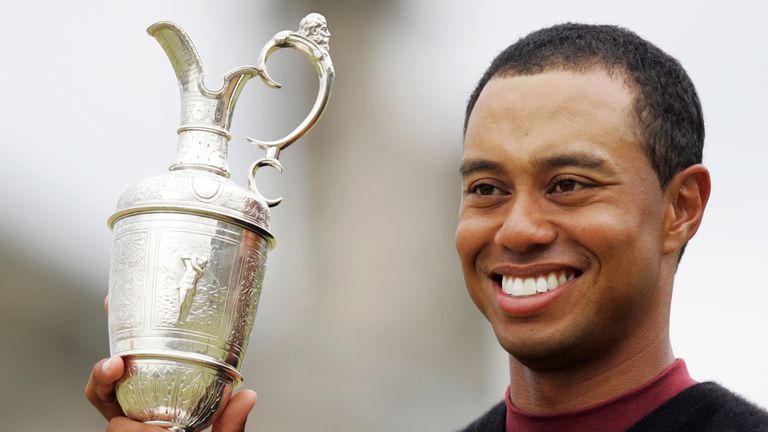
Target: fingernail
[105,365]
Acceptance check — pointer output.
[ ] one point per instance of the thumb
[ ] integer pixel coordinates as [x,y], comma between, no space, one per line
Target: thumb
[236,413]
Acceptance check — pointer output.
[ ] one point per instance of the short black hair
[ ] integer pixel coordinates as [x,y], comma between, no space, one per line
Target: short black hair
[667,108]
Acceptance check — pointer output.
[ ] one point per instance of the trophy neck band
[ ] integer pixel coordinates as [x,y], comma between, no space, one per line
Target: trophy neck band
[205,128]
[202,147]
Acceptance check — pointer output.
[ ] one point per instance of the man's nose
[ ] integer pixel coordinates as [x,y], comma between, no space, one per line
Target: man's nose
[526,226]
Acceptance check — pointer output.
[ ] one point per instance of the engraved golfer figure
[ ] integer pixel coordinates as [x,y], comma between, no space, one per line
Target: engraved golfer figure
[188,283]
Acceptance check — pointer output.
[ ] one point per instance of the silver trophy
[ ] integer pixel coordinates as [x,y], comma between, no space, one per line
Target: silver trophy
[189,247]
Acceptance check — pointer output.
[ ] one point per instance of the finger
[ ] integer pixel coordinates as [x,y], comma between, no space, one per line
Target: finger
[236,413]
[100,390]
[106,304]
[123,424]
[105,374]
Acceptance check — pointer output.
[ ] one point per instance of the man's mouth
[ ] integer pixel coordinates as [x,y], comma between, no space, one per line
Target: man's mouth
[519,286]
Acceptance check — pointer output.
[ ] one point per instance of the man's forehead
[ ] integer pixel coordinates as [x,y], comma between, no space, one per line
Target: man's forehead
[554,114]
[553,97]
[556,89]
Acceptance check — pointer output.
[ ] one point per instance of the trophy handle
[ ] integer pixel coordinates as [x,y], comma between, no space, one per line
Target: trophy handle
[265,161]
[312,40]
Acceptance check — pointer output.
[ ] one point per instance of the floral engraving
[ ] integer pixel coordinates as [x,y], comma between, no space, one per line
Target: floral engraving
[250,281]
[127,281]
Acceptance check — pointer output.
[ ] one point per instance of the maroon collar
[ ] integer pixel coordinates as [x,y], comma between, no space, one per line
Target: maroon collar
[615,414]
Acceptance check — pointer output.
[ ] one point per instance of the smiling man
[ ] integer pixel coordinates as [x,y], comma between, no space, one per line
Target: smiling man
[582,184]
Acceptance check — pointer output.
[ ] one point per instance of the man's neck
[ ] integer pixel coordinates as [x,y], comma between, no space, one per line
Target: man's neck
[587,384]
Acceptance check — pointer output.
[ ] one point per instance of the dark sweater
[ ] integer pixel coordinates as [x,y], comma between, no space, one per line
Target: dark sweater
[705,407]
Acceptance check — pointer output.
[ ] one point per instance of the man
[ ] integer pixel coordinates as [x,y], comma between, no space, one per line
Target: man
[582,185]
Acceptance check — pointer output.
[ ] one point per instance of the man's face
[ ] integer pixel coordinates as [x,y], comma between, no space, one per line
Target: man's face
[560,229]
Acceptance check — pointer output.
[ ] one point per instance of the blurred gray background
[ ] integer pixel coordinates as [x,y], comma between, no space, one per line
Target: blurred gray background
[364,324]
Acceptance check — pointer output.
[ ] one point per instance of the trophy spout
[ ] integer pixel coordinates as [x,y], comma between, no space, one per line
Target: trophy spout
[206,115]
[181,52]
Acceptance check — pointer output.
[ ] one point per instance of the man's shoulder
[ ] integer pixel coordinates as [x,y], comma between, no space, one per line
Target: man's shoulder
[492,421]
[705,407]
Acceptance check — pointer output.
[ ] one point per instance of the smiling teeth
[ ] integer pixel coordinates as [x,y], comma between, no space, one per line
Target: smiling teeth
[518,286]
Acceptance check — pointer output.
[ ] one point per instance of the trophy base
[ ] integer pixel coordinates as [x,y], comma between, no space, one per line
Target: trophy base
[176,394]
[170,426]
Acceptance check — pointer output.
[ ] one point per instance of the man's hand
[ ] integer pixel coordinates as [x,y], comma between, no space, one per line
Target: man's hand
[100,391]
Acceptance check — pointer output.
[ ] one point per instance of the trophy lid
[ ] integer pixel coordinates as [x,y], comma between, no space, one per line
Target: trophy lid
[198,181]
[196,192]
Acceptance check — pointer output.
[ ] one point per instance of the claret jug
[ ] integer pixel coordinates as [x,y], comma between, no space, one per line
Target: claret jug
[190,246]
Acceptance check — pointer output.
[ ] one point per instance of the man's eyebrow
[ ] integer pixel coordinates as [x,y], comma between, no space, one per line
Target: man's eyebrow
[578,160]
[471,166]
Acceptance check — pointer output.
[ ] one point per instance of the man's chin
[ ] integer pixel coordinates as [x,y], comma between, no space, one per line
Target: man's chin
[545,354]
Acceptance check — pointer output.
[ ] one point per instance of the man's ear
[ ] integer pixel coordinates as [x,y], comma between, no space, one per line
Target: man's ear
[685,197]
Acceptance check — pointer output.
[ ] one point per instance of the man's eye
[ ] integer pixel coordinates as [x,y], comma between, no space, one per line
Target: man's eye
[485,189]
[567,185]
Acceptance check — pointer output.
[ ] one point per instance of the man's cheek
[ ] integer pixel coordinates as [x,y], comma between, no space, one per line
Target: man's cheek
[468,238]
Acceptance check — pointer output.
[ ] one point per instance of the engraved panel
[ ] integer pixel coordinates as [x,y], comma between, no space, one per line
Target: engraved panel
[249,290]
[245,202]
[206,313]
[197,108]
[127,280]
